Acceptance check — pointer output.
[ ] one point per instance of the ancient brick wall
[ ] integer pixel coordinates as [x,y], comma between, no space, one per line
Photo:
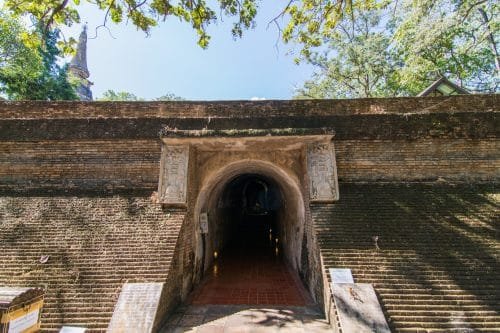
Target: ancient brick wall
[94,244]
[437,266]
[108,146]
[428,159]
[106,165]
[224,109]
[70,172]
[100,165]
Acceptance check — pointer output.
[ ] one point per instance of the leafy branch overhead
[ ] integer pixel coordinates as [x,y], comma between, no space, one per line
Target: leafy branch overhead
[305,18]
[144,14]
[360,48]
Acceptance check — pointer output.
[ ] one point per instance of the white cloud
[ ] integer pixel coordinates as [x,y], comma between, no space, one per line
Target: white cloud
[258,98]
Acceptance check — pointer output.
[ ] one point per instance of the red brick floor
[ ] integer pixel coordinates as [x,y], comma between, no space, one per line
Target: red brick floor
[251,277]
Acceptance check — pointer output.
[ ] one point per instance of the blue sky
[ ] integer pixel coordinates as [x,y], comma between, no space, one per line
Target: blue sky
[169,60]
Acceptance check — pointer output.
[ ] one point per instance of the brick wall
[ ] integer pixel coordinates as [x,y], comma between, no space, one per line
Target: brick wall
[80,164]
[217,109]
[106,165]
[418,160]
[95,244]
[438,265]
[60,164]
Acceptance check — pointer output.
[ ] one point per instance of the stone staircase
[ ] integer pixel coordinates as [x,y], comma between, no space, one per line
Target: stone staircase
[93,244]
[438,265]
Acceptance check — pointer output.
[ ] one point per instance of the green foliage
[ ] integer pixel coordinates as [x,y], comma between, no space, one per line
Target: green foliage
[358,61]
[373,47]
[399,48]
[170,97]
[111,95]
[144,14]
[28,64]
[451,38]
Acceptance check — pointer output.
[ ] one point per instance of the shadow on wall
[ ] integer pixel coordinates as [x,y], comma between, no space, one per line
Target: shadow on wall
[438,262]
[91,245]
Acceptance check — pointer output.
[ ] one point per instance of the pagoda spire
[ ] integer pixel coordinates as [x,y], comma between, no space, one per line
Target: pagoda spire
[78,68]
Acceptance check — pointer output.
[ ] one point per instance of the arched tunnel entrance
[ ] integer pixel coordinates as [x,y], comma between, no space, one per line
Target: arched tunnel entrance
[248,209]
[251,253]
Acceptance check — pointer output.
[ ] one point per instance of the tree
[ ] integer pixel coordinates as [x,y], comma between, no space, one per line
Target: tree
[170,97]
[453,38]
[144,14]
[305,17]
[358,60]
[456,38]
[28,64]
[111,95]
[399,48]
[19,60]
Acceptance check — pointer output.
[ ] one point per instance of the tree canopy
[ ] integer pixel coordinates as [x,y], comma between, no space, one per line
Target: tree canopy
[357,61]
[361,48]
[305,18]
[111,95]
[398,48]
[28,63]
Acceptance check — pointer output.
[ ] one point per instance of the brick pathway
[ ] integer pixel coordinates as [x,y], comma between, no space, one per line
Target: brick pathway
[256,278]
[250,289]
[246,319]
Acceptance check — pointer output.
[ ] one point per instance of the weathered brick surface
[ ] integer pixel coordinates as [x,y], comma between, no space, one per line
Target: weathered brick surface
[95,245]
[85,110]
[82,165]
[106,165]
[438,265]
[392,118]
[418,160]
[346,127]
[60,164]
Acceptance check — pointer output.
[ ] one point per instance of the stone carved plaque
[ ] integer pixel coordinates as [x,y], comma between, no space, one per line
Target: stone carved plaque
[135,310]
[322,170]
[174,173]
[358,308]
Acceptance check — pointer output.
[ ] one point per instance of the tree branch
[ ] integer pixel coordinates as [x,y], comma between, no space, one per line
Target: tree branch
[54,13]
[491,38]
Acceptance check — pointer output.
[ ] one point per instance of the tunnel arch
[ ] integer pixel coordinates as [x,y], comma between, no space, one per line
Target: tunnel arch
[291,217]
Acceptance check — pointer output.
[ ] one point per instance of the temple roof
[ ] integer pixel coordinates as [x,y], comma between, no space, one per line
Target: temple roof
[443,87]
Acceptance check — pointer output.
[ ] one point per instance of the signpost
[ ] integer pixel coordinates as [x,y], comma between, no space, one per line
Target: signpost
[20,309]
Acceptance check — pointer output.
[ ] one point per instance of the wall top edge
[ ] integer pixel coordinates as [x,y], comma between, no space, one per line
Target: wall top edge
[248,109]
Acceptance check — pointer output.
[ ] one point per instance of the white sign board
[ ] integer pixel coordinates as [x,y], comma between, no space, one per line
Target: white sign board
[72,329]
[204,223]
[341,275]
[21,324]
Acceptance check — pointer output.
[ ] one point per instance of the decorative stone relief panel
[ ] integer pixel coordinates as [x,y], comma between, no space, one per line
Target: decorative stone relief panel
[322,170]
[173,174]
